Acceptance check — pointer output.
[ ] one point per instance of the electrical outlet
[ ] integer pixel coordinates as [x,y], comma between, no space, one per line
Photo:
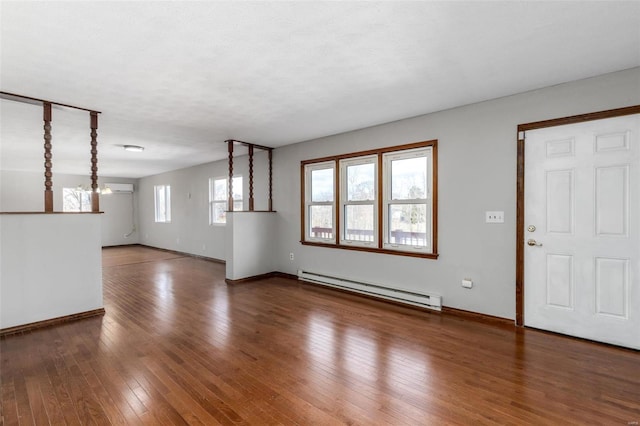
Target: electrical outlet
[494,217]
[467,283]
[291,256]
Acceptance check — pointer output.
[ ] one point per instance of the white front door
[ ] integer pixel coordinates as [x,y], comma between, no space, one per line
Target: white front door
[582,236]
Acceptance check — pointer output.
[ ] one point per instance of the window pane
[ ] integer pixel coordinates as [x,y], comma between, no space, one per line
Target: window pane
[86,201]
[237,206]
[321,221]
[360,182]
[167,205]
[160,197]
[359,219]
[70,202]
[161,212]
[76,200]
[220,190]
[408,224]
[163,203]
[322,185]
[409,178]
[219,213]
[159,203]
[237,189]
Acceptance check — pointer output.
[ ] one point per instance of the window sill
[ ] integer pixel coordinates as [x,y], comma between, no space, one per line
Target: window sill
[373,250]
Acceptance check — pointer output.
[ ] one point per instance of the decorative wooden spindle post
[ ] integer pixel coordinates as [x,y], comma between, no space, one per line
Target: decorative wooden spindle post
[48,155]
[250,178]
[251,147]
[95,194]
[230,182]
[270,180]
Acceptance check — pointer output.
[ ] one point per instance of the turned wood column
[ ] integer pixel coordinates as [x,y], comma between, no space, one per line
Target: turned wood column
[250,178]
[95,194]
[251,147]
[230,182]
[48,156]
[270,180]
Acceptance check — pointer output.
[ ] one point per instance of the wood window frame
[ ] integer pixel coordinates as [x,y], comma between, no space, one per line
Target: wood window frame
[520,184]
[433,254]
[387,200]
[343,166]
[307,200]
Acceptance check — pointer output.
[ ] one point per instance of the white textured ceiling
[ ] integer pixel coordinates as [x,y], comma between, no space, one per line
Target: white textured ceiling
[181,77]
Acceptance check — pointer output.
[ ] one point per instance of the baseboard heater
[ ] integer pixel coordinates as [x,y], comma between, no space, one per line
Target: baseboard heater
[429,301]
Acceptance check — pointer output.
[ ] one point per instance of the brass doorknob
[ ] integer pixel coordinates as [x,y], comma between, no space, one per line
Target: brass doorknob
[533,243]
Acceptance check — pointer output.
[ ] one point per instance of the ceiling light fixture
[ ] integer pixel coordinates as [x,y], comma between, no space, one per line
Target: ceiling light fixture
[134,148]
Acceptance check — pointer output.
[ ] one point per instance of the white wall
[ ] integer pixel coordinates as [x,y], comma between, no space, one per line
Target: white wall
[189,230]
[120,218]
[24,192]
[249,239]
[50,266]
[476,172]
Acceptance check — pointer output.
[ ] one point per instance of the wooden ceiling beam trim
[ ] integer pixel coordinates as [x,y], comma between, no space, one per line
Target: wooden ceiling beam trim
[36,101]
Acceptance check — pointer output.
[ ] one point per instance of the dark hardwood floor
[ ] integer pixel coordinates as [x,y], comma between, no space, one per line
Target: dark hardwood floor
[179,346]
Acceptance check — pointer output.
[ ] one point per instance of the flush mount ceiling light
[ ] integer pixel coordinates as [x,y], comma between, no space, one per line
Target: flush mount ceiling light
[134,148]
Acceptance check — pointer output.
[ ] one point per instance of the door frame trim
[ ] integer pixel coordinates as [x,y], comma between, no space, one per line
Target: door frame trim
[520,137]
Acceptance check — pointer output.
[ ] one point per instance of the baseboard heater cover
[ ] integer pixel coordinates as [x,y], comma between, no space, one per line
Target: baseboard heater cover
[430,301]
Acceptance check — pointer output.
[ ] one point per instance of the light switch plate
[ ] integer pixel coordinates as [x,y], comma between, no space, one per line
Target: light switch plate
[494,217]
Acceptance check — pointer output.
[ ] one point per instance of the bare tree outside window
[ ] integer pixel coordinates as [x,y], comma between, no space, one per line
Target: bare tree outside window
[76,200]
[359,211]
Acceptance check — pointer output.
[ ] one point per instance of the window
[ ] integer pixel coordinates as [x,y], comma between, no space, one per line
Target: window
[386,200]
[358,205]
[407,200]
[218,201]
[320,201]
[163,203]
[76,200]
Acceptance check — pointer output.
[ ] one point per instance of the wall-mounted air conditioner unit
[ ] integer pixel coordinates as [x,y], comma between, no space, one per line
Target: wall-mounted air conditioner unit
[120,187]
